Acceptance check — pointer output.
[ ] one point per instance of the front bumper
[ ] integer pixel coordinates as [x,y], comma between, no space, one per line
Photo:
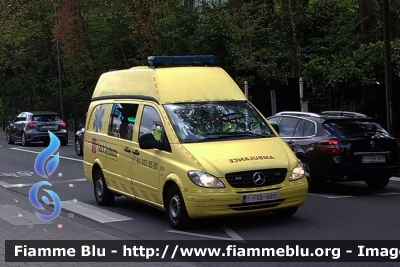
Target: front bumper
[211,203]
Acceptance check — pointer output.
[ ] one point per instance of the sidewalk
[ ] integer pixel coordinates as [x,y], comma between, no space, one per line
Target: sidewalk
[19,222]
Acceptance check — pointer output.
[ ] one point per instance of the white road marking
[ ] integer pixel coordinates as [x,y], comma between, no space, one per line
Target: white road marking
[330,195]
[30,151]
[387,194]
[201,235]
[4,184]
[93,212]
[233,236]
[231,233]
[7,185]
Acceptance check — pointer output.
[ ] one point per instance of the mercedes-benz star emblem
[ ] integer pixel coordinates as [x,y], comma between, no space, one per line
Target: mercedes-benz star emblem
[372,144]
[258,178]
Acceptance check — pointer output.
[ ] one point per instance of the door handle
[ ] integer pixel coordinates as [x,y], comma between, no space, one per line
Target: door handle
[127,150]
[136,152]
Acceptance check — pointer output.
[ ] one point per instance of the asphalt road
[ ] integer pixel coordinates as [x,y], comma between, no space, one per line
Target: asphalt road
[347,211]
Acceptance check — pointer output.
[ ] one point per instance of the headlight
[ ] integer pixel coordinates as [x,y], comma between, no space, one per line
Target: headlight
[297,172]
[205,180]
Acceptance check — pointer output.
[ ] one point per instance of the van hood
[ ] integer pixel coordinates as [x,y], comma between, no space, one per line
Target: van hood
[219,158]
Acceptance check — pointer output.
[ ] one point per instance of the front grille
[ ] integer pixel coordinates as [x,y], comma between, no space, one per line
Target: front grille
[256,205]
[256,178]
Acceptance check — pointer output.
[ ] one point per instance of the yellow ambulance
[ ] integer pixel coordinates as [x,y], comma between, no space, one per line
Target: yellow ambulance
[181,136]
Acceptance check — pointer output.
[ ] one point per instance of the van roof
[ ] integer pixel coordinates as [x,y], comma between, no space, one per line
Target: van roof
[168,85]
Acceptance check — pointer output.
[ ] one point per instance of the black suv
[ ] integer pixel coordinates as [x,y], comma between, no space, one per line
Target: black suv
[340,146]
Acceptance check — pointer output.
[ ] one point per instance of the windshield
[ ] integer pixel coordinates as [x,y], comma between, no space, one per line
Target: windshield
[210,121]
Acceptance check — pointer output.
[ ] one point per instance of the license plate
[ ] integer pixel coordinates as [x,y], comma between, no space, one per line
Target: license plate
[260,197]
[48,127]
[373,159]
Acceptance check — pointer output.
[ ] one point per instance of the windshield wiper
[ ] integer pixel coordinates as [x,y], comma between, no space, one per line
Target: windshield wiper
[254,134]
[228,135]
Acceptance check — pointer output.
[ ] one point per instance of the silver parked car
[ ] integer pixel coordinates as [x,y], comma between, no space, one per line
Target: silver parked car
[33,126]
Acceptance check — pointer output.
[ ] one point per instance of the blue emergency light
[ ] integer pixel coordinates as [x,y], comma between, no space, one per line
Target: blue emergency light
[181,60]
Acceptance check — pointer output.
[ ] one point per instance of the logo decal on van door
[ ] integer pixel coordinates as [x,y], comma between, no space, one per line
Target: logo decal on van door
[94,145]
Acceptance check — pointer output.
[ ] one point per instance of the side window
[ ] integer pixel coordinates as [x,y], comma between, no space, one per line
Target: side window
[309,128]
[287,126]
[122,120]
[273,120]
[20,117]
[151,123]
[299,129]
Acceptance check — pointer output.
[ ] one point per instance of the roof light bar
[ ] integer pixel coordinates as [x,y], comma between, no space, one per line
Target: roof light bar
[181,60]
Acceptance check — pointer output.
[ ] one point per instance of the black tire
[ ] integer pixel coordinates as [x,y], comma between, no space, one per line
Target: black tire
[64,142]
[285,213]
[8,138]
[177,214]
[313,183]
[78,147]
[378,183]
[23,140]
[104,196]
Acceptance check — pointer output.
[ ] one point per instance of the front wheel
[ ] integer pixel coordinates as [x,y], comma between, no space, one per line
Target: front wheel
[78,147]
[313,183]
[23,140]
[103,195]
[378,183]
[176,209]
[8,138]
[64,142]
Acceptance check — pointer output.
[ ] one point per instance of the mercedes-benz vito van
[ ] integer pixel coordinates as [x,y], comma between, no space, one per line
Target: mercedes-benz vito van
[181,136]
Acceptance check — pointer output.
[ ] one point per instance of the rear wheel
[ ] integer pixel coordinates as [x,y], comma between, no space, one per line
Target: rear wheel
[378,183]
[23,140]
[176,209]
[8,138]
[104,196]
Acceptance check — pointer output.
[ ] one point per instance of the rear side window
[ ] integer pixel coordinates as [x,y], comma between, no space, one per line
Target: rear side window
[122,120]
[46,118]
[309,128]
[287,126]
[355,128]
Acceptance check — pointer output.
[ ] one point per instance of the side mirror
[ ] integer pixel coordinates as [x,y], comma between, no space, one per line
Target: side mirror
[10,122]
[147,141]
[275,126]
